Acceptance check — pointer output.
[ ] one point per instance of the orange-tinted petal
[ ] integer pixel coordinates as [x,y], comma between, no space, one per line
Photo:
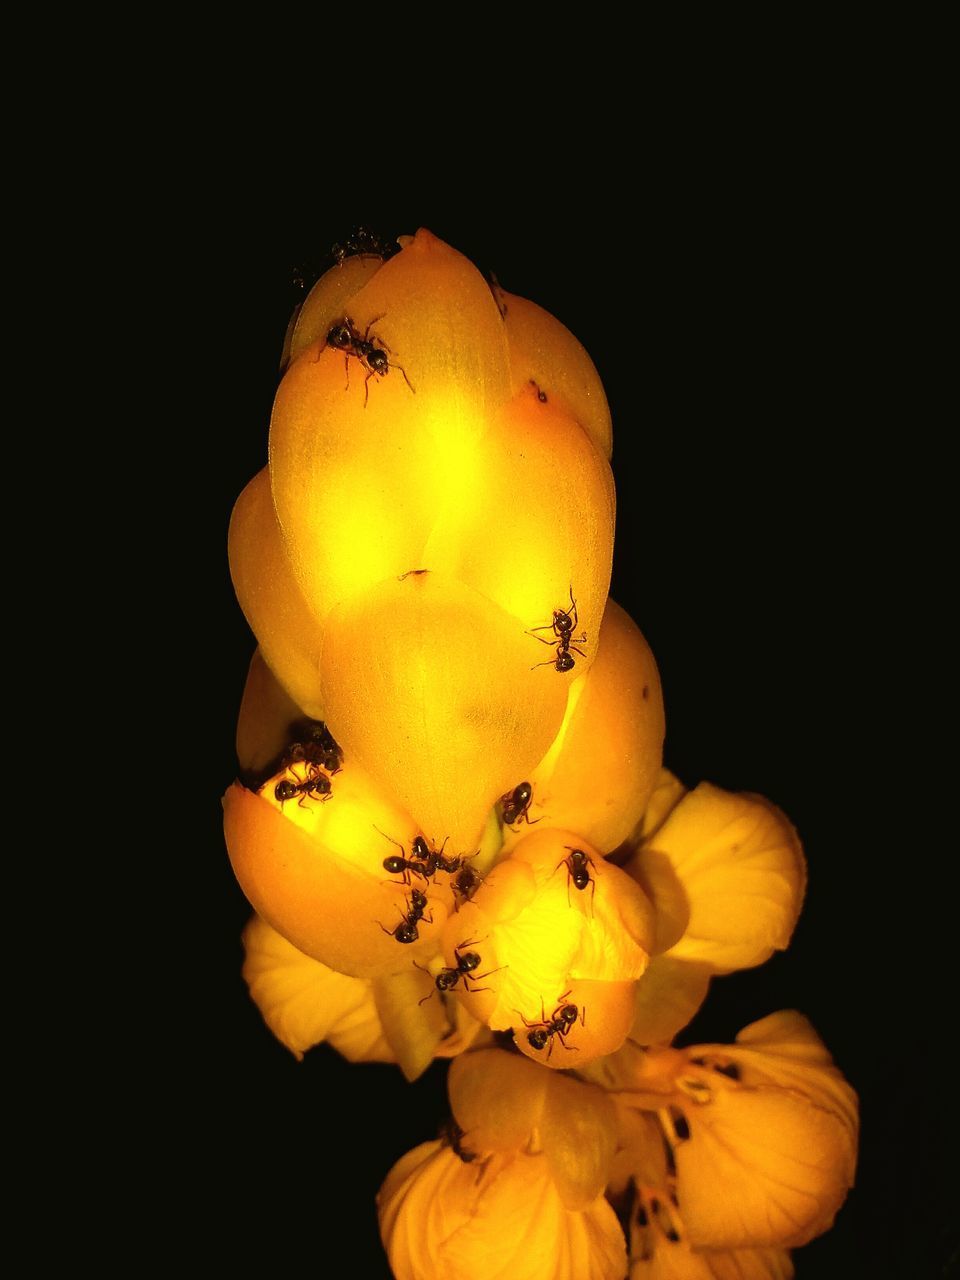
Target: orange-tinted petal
[671,1260]
[329,301]
[315,874]
[578,1133]
[615,720]
[497,1099]
[666,998]
[428,686]
[303,1002]
[544,351]
[441,1219]
[273,604]
[266,715]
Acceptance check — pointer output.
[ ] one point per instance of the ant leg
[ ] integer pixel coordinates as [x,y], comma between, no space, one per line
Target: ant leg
[346,365]
[405,378]
[576,650]
[480,976]
[366,388]
[540,638]
[550,662]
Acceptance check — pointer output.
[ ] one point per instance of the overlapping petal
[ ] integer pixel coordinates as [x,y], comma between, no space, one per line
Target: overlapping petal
[303,1002]
[615,721]
[734,865]
[444,1219]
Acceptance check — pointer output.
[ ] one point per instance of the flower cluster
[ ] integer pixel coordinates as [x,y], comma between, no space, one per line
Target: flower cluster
[453,823]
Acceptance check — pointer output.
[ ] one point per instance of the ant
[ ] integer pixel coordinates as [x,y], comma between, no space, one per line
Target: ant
[542,397]
[346,337]
[314,744]
[516,804]
[562,626]
[467,883]
[316,785]
[578,870]
[425,862]
[406,930]
[452,1135]
[560,1024]
[447,979]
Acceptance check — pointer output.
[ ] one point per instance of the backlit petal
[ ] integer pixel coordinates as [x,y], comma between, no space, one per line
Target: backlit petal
[667,996]
[677,1261]
[614,720]
[578,1131]
[740,865]
[303,1002]
[266,715]
[287,631]
[412,1029]
[497,1099]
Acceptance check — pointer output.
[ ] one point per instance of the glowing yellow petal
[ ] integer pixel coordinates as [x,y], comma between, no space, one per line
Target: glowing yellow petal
[740,865]
[303,1002]
[266,715]
[428,686]
[329,301]
[411,1028]
[615,720]
[371,464]
[442,1219]
[535,522]
[544,351]
[497,1099]
[578,1132]
[640,1155]
[762,1166]
[315,874]
[271,600]
[667,996]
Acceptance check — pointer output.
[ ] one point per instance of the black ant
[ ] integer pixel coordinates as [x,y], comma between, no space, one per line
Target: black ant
[452,1135]
[313,744]
[447,979]
[346,337]
[467,882]
[542,397]
[406,930]
[316,785]
[578,870]
[560,1024]
[424,862]
[563,625]
[516,803]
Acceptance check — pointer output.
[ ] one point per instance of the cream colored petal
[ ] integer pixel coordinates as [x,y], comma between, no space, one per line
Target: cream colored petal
[742,869]
[667,996]
[640,1154]
[303,1002]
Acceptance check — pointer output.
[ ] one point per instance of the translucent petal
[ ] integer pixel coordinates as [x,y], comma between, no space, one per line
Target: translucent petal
[412,1030]
[428,686]
[497,1099]
[544,351]
[315,874]
[615,720]
[578,1132]
[329,301]
[373,463]
[742,870]
[273,604]
[266,714]
[303,1002]
[534,523]
[667,996]
[667,794]
[762,1166]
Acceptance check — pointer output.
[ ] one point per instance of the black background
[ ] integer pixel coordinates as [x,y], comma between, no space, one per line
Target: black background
[728,311]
